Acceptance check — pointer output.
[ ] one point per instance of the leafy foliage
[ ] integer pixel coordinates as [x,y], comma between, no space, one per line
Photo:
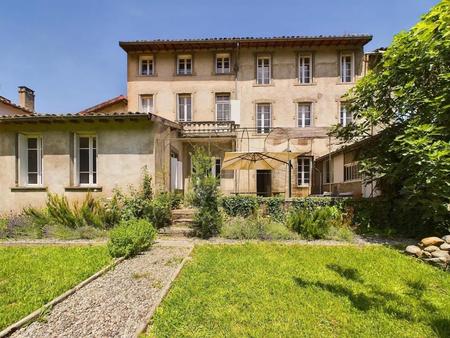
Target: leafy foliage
[131,237]
[256,227]
[239,205]
[407,97]
[318,223]
[205,196]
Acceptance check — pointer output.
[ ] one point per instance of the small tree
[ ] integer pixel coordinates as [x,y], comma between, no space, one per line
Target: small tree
[205,195]
[407,96]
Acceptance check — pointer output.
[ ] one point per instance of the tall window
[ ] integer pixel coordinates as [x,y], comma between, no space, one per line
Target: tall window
[347,68]
[305,69]
[87,160]
[263,70]
[304,115]
[184,107]
[147,104]
[263,118]
[184,65]
[223,64]
[223,107]
[31,160]
[345,115]
[217,167]
[326,171]
[146,65]
[303,171]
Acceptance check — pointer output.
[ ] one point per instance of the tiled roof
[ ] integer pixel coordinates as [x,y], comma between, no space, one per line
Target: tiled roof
[70,117]
[102,105]
[9,103]
[248,41]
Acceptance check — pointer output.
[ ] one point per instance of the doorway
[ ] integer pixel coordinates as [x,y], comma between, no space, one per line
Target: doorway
[264,183]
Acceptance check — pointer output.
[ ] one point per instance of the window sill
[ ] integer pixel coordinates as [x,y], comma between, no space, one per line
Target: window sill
[84,189]
[176,74]
[220,74]
[28,189]
[346,83]
[304,84]
[151,75]
[263,85]
[303,186]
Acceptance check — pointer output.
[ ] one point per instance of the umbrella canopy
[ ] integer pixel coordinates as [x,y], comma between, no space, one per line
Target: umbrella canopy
[257,160]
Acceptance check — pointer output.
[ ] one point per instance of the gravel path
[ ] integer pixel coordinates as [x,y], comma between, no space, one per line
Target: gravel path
[115,304]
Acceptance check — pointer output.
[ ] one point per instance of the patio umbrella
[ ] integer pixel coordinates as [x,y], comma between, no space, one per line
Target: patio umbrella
[257,160]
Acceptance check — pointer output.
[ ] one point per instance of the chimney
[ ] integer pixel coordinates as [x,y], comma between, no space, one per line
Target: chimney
[26,98]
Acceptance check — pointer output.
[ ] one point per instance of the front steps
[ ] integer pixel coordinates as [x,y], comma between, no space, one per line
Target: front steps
[181,221]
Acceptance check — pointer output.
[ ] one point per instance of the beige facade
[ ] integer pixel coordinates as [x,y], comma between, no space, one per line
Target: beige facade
[282,94]
[125,144]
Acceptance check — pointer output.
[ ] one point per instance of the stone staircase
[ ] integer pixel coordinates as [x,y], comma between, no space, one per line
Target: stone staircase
[181,221]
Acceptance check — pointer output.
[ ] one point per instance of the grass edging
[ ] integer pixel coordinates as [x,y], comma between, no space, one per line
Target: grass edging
[143,327]
[35,314]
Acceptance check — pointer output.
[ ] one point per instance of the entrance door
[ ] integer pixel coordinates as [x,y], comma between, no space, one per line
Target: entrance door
[264,183]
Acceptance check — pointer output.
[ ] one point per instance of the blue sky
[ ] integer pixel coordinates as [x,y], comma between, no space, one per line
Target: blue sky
[67,51]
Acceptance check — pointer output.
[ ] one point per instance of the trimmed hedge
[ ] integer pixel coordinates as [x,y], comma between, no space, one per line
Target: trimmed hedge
[276,207]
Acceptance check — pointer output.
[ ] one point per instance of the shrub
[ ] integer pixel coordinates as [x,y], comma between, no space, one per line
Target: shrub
[239,205]
[58,211]
[131,237]
[176,199]
[274,207]
[205,196]
[256,228]
[318,223]
[160,211]
[311,203]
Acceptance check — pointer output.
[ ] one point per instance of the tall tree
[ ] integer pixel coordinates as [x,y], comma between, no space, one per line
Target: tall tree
[406,97]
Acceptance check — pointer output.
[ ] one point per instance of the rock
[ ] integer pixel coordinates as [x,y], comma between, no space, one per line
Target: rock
[445,246]
[446,238]
[431,248]
[444,259]
[431,241]
[440,253]
[427,254]
[413,250]
[433,260]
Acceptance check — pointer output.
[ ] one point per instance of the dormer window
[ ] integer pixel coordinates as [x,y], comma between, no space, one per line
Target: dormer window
[146,65]
[223,63]
[184,64]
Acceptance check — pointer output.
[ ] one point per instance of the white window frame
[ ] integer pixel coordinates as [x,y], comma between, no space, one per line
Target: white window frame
[223,104]
[351,172]
[261,129]
[185,70]
[301,164]
[343,67]
[261,79]
[150,67]
[301,71]
[344,118]
[144,107]
[185,111]
[301,115]
[220,59]
[91,159]
[23,160]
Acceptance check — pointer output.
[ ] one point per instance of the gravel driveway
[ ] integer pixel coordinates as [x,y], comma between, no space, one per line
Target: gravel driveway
[115,304]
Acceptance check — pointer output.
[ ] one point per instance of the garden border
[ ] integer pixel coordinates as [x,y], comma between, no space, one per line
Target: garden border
[144,326]
[35,314]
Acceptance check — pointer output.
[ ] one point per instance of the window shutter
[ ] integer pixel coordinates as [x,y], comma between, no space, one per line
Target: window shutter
[22,160]
[75,160]
[339,64]
[180,175]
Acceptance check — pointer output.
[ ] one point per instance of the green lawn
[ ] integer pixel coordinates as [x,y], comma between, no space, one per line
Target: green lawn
[271,290]
[32,276]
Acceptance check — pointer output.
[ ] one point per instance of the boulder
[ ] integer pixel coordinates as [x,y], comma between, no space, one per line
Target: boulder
[446,238]
[431,248]
[433,260]
[413,250]
[445,259]
[431,241]
[440,253]
[445,246]
[427,254]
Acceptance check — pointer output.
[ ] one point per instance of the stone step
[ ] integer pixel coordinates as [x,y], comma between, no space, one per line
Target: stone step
[182,221]
[182,212]
[175,231]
